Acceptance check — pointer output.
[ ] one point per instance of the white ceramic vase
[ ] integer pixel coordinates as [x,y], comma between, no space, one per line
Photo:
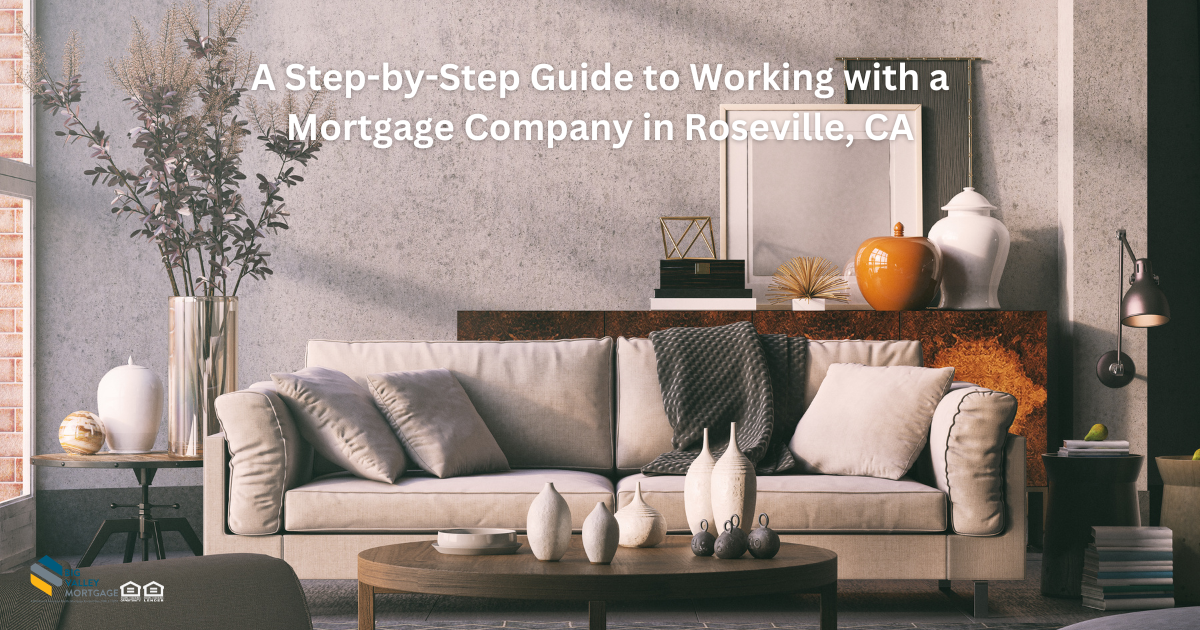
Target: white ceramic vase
[601,535]
[640,524]
[697,490]
[548,525]
[130,404]
[974,250]
[806,304]
[734,486]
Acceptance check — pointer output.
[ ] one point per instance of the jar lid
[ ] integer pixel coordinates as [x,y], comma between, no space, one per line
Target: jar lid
[968,199]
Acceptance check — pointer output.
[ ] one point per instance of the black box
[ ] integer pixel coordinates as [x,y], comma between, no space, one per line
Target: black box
[703,293]
[683,273]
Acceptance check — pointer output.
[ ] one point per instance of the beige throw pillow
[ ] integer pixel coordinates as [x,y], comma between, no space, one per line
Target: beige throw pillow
[870,421]
[339,418]
[440,428]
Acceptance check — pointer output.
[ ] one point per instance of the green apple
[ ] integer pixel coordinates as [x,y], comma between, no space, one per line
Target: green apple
[1099,432]
[1196,456]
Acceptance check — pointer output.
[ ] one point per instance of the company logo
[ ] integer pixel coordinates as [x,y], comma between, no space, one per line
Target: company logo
[131,592]
[152,592]
[45,574]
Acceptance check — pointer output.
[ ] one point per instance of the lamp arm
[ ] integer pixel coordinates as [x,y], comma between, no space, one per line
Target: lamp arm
[1128,249]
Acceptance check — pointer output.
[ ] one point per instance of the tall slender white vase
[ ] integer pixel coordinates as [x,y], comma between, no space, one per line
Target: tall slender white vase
[548,525]
[697,490]
[734,485]
[974,250]
[601,535]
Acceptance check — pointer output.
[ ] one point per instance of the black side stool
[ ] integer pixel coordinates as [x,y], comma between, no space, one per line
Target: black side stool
[145,525]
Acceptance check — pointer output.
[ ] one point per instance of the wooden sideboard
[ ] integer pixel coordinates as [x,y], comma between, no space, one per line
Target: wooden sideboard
[1001,350]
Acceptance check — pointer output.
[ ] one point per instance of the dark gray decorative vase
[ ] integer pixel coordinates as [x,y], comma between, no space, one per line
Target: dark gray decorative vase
[764,542]
[703,543]
[732,543]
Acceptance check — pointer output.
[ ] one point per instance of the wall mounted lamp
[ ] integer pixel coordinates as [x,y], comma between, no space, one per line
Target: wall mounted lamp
[1142,306]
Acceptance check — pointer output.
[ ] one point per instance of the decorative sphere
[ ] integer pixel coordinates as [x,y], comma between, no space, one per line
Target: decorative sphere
[703,543]
[730,544]
[81,433]
[763,541]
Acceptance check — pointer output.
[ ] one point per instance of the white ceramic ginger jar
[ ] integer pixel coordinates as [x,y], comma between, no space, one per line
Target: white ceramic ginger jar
[129,400]
[697,490]
[601,535]
[734,485]
[548,525]
[974,250]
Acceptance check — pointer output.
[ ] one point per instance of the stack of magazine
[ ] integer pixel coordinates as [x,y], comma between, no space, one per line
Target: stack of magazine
[1093,448]
[1128,568]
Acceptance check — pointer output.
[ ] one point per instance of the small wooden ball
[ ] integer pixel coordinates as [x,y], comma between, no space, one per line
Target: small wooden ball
[81,433]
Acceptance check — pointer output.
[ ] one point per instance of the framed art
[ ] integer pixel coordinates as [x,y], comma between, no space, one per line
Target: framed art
[783,195]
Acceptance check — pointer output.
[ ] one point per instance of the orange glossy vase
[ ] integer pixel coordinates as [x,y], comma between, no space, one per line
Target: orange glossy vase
[898,273]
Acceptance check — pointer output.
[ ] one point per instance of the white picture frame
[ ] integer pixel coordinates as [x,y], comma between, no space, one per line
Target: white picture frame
[787,198]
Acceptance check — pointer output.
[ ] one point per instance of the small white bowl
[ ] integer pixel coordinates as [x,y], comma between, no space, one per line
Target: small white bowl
[476,538]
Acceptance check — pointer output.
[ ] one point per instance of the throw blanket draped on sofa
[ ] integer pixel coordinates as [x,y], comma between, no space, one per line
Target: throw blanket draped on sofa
[711,377]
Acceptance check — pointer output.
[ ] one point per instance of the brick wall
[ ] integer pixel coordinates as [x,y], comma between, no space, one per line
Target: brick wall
[12,101]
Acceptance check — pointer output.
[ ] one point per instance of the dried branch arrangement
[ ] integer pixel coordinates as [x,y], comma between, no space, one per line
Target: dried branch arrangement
[811,278]
[185,88]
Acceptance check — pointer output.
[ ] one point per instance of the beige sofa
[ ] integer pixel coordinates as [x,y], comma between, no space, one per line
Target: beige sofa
[587,414]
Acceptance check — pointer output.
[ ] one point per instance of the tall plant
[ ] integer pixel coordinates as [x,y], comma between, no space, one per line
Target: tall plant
[186,88]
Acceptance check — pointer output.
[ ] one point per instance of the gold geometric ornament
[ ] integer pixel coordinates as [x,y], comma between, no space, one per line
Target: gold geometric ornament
[699,224]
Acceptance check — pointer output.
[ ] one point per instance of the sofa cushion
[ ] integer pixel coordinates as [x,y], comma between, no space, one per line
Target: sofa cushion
[437,423]
[967,439]
[643,431]
[343,503]
[267,457]
[547,403]
[822,354]
[814,503]
[869,420]
[339,418]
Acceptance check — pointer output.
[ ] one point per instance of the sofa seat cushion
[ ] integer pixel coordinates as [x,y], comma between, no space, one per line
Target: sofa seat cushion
[344,503]
[814,503]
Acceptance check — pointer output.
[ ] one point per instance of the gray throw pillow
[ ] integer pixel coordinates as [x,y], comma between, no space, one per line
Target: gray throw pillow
[870,421]
[339,418]
[440,428]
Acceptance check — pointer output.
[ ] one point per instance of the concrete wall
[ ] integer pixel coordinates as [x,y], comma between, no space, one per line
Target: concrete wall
[390,243]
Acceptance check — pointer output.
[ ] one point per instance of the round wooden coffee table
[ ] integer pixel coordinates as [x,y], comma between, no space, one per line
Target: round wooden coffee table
[668,571]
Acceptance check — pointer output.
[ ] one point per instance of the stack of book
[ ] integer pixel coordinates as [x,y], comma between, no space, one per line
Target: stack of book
[1085,448]
[688,284]
[1128,568]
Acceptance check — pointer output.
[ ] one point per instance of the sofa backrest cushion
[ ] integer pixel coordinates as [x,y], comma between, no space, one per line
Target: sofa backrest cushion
[967,441]
[824,353]
[643,432]
[547,403]
[267,457]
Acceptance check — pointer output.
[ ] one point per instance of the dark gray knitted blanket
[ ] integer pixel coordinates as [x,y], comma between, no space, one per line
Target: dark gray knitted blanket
[22,605]
[713,376]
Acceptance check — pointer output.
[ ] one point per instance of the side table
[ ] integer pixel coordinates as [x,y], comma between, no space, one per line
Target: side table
[145,526]
[1084,492]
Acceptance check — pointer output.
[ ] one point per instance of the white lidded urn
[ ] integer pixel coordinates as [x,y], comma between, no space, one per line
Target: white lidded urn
[641,525]
[129,400]
[548,525]
[697,490]
[601,535]
[974,250]
[734,485]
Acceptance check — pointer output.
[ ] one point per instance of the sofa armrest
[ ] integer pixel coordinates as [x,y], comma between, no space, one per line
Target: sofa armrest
[267,457]
[967,441]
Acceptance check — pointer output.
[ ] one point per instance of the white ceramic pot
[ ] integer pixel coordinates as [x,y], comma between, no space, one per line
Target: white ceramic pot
[601,535]
[806,304]
[734,485]
[641,525]
[697,490]
[130,404]
[974,250]
[548,525]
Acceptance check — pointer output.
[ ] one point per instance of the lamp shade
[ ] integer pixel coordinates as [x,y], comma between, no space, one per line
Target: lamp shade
[1144,304]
